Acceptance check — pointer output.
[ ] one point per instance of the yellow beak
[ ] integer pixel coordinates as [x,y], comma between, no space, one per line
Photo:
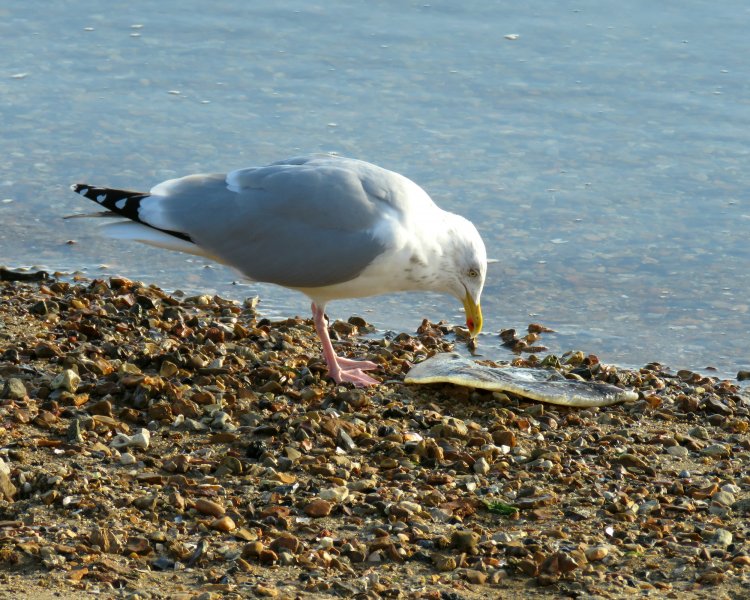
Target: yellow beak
[473,315]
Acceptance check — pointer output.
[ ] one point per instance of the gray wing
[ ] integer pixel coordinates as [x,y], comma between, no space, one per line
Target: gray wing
[305,222]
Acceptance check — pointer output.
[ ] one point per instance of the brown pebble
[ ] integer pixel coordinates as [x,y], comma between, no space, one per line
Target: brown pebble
[138,545]
[443,562]
[168,369]
[243,565]
[465,541]
[286,542]
[528,566]
[7,489]
[504,437]
[107,541]
[103,408]
[161,412]
[318,508]
[475,577]
[208,507]
[252,549]
[267,591]
[224,523]
[268,557]
[595,553]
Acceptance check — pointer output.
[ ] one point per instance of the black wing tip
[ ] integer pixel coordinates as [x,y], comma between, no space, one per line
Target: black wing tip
[110,198]
[123,203]
[92,192]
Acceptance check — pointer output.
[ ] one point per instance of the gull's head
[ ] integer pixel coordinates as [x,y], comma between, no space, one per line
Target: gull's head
[466,269]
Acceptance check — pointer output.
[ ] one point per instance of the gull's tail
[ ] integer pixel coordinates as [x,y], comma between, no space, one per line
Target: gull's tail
[122,203]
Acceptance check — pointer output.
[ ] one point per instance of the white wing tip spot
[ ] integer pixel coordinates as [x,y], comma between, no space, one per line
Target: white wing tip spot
[121,203]
[101,198]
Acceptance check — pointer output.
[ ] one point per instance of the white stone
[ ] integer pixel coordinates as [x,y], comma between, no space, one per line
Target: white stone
[127,459]
[68,380]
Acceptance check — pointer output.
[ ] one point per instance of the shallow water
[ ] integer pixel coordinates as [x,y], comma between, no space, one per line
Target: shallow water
[603,152]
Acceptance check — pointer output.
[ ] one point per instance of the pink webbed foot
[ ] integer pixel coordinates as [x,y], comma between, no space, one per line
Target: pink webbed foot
[352,371]
[341,370]
[364,365]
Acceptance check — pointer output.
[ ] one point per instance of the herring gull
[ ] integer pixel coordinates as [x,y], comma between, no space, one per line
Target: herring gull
[327,226]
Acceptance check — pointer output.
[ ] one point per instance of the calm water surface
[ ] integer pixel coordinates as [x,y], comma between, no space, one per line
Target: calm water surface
[602,148]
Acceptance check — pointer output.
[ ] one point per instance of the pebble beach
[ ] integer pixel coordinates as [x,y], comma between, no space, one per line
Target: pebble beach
[155,445]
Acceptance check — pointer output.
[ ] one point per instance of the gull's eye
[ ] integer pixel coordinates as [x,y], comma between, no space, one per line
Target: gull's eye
[473,273]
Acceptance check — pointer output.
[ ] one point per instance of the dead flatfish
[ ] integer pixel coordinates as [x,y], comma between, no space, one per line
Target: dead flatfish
[544,385]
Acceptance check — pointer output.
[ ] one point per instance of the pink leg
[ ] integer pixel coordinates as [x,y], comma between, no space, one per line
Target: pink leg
[340,369]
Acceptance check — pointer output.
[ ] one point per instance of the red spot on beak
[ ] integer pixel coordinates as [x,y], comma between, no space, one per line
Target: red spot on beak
[470,324]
